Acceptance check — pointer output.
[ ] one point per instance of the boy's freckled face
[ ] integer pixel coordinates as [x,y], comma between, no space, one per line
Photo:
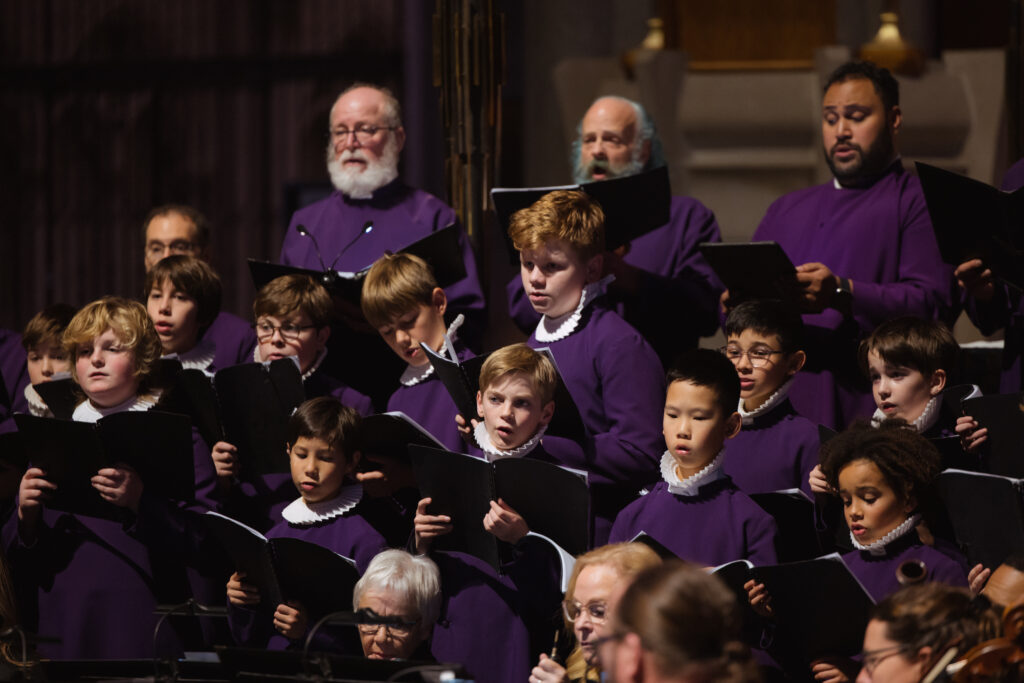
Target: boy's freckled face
[105,369]
[404,333]
[553,277]
[758,384]
[175,315]
[900,391]
[870,504]
[318,470]
[293,335]
[46,360]
[694,426]
[512,411]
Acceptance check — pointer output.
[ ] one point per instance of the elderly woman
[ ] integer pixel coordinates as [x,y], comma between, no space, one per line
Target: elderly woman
[397,584]
[594,580]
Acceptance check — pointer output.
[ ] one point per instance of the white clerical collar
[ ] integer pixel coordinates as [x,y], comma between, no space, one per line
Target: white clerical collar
[302,513]
[87,412]
[691,485]
[774,400]
[36,405]
[258,358]
[199,357]
[492,452]
[414,374]
[877,548]
[924,421]
[553,329]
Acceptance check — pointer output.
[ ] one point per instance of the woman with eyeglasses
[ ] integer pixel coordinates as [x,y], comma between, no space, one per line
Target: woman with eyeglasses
[911,630]
[592,584]
[397,584]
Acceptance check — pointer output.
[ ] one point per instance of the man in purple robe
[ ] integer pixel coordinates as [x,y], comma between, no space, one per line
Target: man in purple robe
[177,229]
[14,371]
[661,271]
[863,243]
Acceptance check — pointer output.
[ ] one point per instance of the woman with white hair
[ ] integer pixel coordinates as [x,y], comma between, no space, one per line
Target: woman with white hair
[397,584]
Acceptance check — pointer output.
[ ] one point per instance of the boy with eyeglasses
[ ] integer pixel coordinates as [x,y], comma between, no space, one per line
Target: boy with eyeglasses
[776,448]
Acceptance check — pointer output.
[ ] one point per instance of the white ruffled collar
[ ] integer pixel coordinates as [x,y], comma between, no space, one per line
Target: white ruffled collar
[36,405]
[691,485]
[87,412]
[199,357]
[774,400]
[553,329]
[414,374]
[877,548]
[492,452]
[928,417]
[301,513]
[258,358]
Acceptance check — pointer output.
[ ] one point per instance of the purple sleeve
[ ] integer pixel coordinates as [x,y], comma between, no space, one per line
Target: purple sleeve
[761,533]
[624,528]
[14,370]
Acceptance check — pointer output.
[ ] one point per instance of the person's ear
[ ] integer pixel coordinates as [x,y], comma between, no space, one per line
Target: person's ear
[732,425]
[399,137]
[937,383]
[923,659]
[594,268]
[795,362]
[629,658]
[438,300]
[895,117]
[479,407]
[353,462]
[645,153]
[909,505]
[547,412]
[322,335]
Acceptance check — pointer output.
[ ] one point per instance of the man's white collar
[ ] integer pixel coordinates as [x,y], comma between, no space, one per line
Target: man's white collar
[553,329]
[774,400]
[877,548]
[87,412]
[301,513]
[690,486]
[414,374]
[492,452]
[924,421]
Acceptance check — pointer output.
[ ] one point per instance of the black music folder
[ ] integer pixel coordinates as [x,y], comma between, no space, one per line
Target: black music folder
[753,270]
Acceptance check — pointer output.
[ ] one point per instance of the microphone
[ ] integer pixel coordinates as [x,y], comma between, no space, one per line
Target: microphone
[367,229]
[329,276]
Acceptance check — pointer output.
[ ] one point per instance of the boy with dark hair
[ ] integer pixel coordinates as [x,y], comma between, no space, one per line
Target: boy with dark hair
[696,511]
[46,357]
[776,448]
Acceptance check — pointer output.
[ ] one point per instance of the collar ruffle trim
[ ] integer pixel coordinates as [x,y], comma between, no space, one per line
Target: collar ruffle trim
[924,421]
[877,548]
[87,412]
[774,400]
[302,513]
[36,405]
[414,374]
[258,358]
[199,357]
[492,452]
[553,329]
[691,485]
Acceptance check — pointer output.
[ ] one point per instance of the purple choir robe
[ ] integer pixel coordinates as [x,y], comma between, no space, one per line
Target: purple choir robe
[718,525]
[481,624]
[878,573]
[14,370]
[400,215]
[321,384]
[618,385]
[1005,311]
[674,275]
[881,238]
[776,452]
[233,338]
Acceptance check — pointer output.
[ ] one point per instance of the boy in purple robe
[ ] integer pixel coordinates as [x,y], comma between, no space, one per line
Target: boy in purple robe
[178,229]
[46,358]
[613,375]
[863,243]
[323,448]
[82,566]
[696,511]
[183,298]
[776,448]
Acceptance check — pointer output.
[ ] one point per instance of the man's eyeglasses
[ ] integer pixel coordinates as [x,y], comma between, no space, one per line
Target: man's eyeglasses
[758,356]
[265,331]
[872,658]
[597,610]
[158,249]
[363,134]
[402,630]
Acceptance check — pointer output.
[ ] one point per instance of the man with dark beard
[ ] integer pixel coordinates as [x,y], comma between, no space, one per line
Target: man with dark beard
[863,243]
[656,273]
[365,139]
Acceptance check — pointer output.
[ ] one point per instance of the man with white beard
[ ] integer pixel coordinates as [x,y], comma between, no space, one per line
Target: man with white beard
[366,138]
[663,286]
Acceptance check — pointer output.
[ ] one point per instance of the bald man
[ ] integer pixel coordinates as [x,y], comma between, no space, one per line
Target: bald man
[663,286]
